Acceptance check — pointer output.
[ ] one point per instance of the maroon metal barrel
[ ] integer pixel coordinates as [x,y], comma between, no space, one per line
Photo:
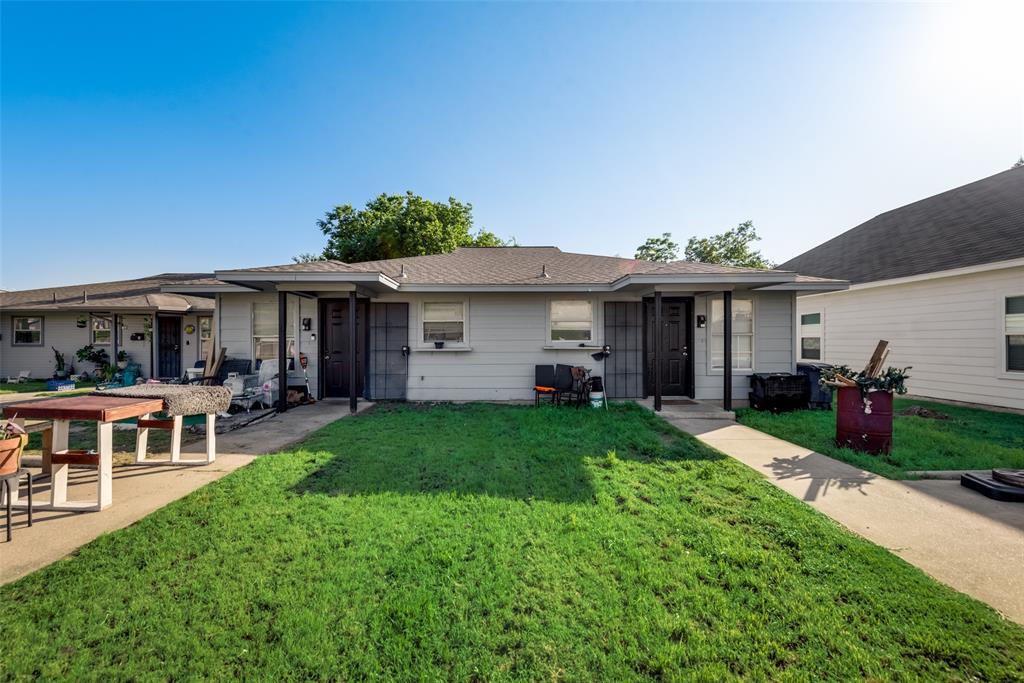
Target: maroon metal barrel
[870,432]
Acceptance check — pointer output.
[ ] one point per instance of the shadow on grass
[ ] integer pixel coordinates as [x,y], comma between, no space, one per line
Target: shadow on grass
[518,452]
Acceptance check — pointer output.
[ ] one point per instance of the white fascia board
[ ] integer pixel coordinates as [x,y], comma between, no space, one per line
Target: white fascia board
[935,275]
[805,287]
[540,289]
[224,287]
[705,279]
[279,277]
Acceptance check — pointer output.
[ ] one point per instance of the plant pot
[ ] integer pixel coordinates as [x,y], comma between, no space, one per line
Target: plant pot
[439,345]
[10,453]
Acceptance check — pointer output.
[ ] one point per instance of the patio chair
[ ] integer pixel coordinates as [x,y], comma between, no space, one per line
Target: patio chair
[563,381]
[544,383]
[23,376]
[7,481]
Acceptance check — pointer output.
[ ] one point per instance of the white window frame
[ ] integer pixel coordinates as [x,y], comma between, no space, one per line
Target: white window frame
[422,320]
[1003,371]
[292,343]
[572,343]
[710,334]
[821,335]
[14,329]
[92,329]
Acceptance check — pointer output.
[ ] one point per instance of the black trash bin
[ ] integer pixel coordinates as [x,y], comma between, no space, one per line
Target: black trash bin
[820,397]
[778,391]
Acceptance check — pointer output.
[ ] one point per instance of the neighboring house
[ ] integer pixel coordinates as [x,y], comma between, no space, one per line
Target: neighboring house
[942,280]
[501,311]
[155,328]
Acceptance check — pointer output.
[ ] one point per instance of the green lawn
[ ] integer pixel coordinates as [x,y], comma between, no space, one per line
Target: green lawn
[39,386]
[483,542]
[973,439]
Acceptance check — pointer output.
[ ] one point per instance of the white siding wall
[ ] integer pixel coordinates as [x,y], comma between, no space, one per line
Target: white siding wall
[60,330]
[233,326]
[507,334]
[773,344]
[948,329]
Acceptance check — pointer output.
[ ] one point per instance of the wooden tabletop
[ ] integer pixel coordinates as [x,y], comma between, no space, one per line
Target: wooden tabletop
[90,407]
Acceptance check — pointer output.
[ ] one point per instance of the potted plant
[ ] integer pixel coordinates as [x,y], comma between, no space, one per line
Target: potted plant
[12,442]
[91,354]
[60,369]
[122,359]
[439,345]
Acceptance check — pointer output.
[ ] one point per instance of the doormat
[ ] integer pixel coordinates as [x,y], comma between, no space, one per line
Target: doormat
[678,402]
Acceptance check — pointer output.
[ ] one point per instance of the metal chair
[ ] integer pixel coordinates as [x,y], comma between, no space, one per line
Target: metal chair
[6,482]
[544,383]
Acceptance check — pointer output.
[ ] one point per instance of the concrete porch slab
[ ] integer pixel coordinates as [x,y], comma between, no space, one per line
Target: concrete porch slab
[142,489]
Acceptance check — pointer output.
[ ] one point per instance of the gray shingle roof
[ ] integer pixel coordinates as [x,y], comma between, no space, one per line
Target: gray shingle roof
[982,222]
[508,266]
[143,293]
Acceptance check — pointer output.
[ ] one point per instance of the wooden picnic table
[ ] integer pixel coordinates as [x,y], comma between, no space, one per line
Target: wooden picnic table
[104,410]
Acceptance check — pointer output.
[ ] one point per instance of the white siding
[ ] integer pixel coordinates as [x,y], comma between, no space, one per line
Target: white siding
[773,344]
[233,326]
[507,334]
[60,330]
[948,329]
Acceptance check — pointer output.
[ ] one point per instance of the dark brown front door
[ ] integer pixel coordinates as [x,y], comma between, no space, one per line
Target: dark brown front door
[336,347]
[169,346]
[675,366]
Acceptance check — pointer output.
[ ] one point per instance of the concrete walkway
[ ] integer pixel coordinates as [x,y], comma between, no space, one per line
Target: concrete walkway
[141,489]
[965,540]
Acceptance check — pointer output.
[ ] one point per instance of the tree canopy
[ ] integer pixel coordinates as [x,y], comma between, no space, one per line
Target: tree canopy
[661,249]
[731,248]
[398,225]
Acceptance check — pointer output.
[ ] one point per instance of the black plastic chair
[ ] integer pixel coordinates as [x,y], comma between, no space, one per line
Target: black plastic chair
[544,383]
[564,381]
[7,481]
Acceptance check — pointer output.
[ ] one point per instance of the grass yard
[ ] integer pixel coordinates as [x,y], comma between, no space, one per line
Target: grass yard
[972,439]
[35,386]
[482,542]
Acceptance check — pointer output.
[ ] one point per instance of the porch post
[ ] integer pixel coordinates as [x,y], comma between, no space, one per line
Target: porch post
[282,351]
[657,351]
[154,346]
[727,346]
[113,339]
[353,340]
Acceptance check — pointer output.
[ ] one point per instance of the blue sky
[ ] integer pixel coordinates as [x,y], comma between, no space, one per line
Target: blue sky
[172,137]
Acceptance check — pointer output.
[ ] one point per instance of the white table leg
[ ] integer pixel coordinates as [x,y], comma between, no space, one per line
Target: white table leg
[105,468]
[176,439]
[142,440]
[59,476]
[211,437]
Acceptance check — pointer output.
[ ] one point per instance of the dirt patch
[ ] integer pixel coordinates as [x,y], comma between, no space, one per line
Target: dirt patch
[927,413]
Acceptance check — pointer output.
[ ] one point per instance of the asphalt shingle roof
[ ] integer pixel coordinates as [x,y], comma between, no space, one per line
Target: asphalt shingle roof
[142,293]
[982,222]
[509,266]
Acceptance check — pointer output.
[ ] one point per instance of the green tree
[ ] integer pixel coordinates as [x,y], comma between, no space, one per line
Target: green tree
[731,248]
[661,249]
[396,225]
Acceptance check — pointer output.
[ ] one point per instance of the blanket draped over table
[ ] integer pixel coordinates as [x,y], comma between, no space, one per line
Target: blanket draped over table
[179,399]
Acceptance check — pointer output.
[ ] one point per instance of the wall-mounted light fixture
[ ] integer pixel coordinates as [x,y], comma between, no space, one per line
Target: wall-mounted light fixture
[702,321]
[307,324]
[406,350]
